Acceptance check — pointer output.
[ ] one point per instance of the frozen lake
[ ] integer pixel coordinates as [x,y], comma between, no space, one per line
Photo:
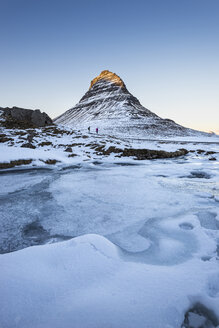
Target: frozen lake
[149,210]
[149,244]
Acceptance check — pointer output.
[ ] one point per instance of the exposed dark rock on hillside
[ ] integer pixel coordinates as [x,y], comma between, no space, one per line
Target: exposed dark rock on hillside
[140,154]
[15,163]
[16,117]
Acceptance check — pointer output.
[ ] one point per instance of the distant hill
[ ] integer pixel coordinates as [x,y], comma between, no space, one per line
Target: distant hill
[17,117]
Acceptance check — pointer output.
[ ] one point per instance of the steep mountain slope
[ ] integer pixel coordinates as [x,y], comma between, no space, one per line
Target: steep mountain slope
[111,107]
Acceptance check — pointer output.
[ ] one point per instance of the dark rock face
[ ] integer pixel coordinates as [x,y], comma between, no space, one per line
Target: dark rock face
[140,154]
[28,145]
[200,316]
[4,138]
[15,163]
[69,150]
[16,117]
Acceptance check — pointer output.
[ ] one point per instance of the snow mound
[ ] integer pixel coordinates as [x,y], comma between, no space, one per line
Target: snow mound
[85,283]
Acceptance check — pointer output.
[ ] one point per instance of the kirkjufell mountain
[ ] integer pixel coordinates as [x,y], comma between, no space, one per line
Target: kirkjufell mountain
[109,106]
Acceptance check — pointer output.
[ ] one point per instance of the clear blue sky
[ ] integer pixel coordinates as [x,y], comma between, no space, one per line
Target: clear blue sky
[166,51]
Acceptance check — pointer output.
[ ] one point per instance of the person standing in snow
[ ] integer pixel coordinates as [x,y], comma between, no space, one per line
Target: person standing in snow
[97,130]
[89,129]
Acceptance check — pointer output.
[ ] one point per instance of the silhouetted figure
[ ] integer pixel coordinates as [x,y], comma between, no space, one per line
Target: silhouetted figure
[96,130]
[88,128]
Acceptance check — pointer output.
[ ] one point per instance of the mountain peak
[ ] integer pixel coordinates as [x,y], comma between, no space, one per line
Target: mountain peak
[109,76]
[109,105]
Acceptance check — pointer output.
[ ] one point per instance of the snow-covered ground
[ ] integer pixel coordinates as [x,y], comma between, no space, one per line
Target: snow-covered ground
[102,241]
[145,246]
[85,282]
[68,146]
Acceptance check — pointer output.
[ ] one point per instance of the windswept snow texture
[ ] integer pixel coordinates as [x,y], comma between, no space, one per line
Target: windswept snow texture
[143,248]
[85,283]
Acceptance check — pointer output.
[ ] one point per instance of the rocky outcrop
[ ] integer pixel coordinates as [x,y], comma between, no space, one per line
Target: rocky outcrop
[15,163]
[140,154]
[16,117]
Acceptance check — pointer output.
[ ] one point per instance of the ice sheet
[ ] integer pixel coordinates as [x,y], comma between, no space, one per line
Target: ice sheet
[149,250]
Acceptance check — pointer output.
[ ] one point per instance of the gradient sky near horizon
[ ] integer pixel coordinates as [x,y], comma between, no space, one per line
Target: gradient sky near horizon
[166,52]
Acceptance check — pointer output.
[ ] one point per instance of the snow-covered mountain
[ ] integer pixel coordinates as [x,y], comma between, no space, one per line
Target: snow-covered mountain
[109,106]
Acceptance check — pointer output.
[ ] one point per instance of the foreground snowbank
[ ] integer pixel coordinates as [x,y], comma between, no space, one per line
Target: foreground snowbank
[85,283]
